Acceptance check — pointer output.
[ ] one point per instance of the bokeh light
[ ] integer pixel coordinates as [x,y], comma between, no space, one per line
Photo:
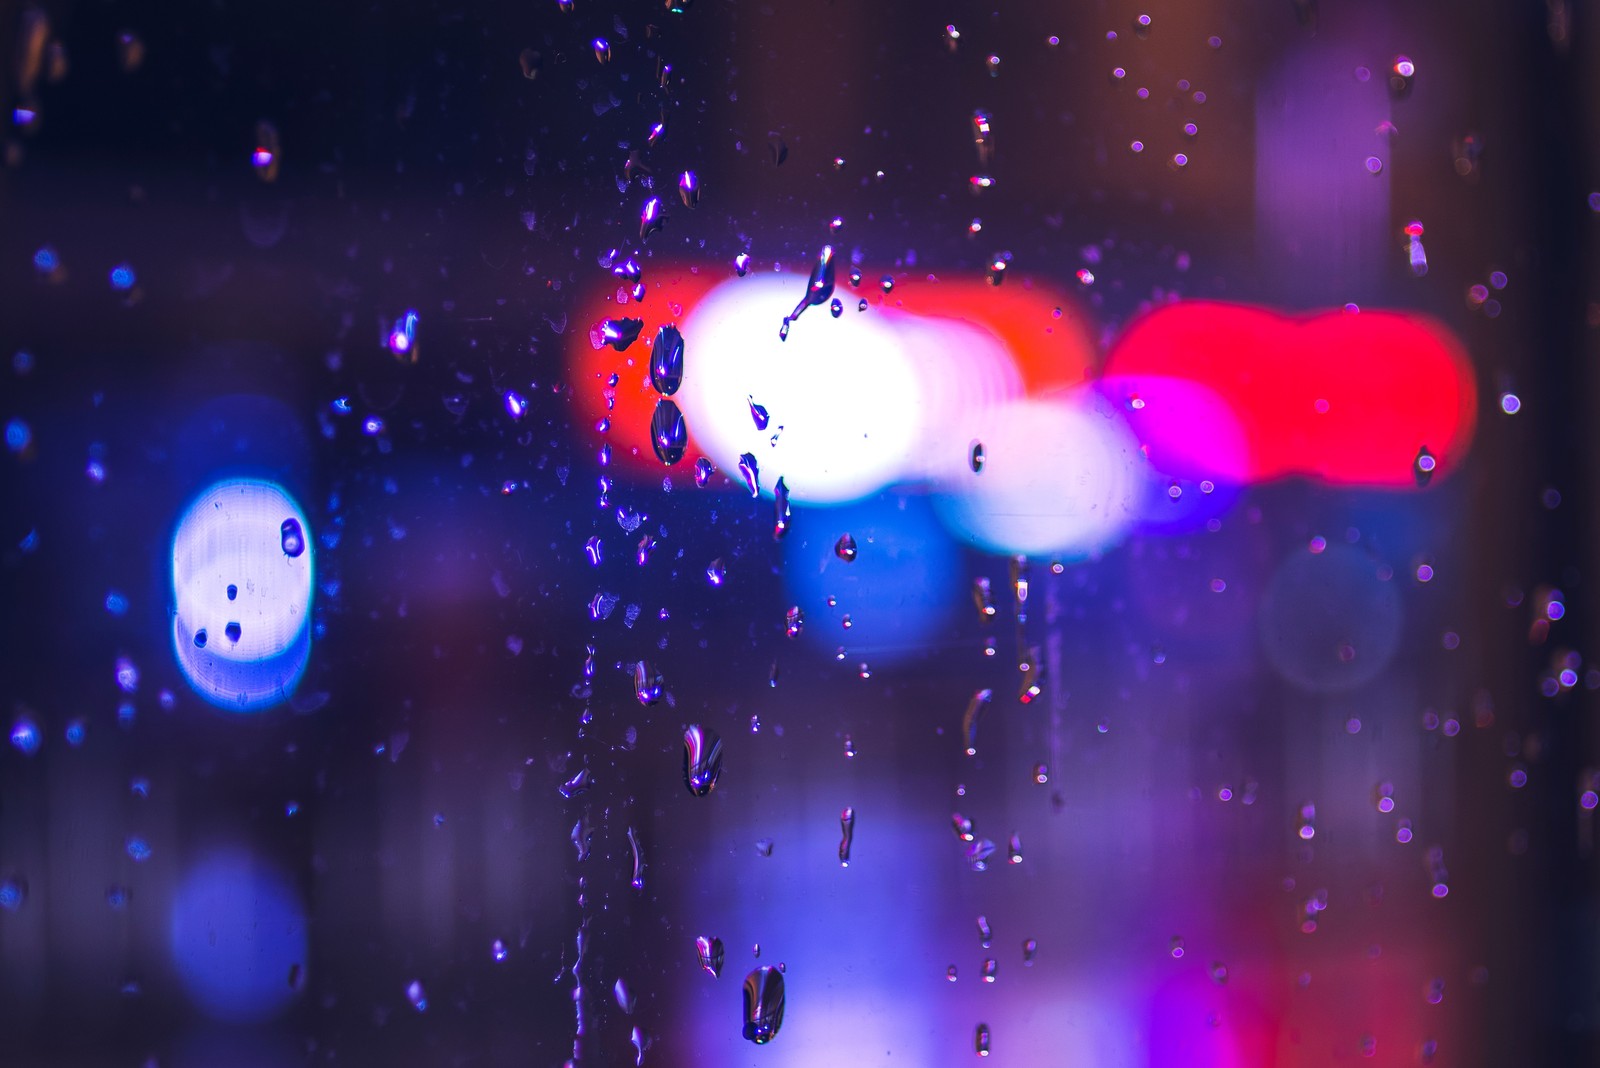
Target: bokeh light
[237,933]
[242,586]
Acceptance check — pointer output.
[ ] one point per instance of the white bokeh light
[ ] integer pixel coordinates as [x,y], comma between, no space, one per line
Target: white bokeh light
[242,601]
[859,399]
[1062,475]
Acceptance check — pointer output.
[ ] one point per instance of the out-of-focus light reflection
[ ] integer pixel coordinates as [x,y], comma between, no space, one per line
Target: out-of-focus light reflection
[1344,397]
[241,583]
[896,592]
[1329,620]
[1062,475]
[237,933]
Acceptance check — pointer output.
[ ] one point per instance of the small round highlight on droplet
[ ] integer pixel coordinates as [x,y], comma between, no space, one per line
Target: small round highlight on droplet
[1374,165]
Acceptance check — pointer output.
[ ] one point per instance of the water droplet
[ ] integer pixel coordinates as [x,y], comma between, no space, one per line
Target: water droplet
[777,150]
[1031,670]
[620,333]
[669,435]
[666,360]
[992,64]
[847,830]
[602,49]
[530,61]
[1219,973]
[751,472]
[577,785]
[417,996]
[581,837]
[758,414]
[990,967]
[200,638]
[741,264]
[264,158]
[819,287]
[703,470]
[845,548]
[975,456]
[689,189]
[651,218]
[233,631]
[783,331]
[983,136]
[702,759]
[861,305]
[593,550]
[978,854]
[657,132]
[1402,75]
[709,950]
[837,307]
[1014,849]
[291,538]
[1030,949]
[963,828]
[624,996]
[793,621]
[646,683]
[780,506]
[849,747]
[997,268]
[1424,466]
[716,572]
[638,859]
[763,1004]
[763,849]
[969,720]
[980,1041]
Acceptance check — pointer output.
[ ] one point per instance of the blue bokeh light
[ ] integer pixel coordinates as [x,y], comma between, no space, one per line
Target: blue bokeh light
[237,933]
[898,591]
[259,639]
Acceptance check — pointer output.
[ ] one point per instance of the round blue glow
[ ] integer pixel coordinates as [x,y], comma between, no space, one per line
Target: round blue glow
[122,277]
[237,933]
[18,435]
[251,538]
[25,736]
[46,260]
[897,592]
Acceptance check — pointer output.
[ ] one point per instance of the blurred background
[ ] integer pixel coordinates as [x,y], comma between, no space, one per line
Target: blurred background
[1206,402]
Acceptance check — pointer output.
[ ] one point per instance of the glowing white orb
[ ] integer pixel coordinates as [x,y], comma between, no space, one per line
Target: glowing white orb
[854,401]
[1061,475]
[241,582]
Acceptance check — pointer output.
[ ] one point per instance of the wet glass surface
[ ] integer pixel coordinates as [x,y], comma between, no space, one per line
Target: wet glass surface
[892,533]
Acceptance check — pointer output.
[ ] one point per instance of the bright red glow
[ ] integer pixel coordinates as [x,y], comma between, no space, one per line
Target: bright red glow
[1345,397]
